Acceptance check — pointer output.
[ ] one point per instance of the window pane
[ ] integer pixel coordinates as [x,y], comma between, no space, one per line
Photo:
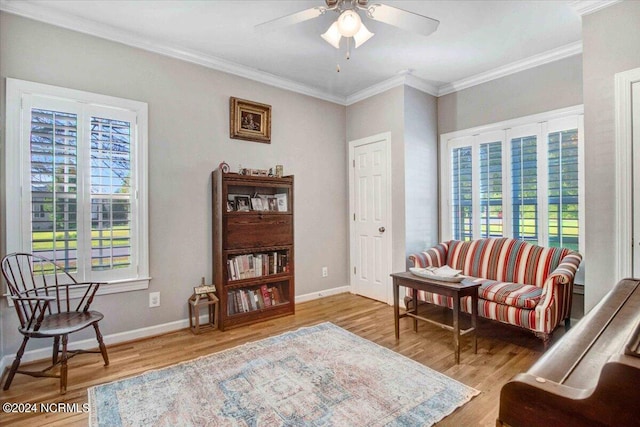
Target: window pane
[53,155]
[491,189]
[461,180]
[524,181]
[110,194]
[563,189]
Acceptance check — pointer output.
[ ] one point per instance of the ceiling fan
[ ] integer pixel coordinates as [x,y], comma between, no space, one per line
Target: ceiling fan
[349,22]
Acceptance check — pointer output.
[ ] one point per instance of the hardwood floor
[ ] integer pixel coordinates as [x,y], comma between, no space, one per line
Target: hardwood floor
[503,351]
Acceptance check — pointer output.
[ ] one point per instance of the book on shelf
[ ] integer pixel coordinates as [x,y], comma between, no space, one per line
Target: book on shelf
[257,265]
[230,304]
[276,295]
[265,296]
[246,300]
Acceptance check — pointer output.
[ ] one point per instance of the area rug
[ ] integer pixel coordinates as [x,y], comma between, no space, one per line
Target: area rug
[315,376]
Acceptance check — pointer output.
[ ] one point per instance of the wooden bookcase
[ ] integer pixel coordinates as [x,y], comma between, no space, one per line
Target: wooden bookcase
[253,251]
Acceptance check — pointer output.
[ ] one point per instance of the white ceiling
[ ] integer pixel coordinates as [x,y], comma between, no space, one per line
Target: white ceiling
[476,40]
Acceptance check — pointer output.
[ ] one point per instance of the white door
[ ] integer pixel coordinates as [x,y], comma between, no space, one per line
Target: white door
[635,132]
[370,217]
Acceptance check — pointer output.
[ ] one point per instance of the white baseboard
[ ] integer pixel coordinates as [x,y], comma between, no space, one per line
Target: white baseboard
[45,353]
[322,294]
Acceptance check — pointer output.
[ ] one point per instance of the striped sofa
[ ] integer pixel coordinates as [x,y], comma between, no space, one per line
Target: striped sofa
[521,284]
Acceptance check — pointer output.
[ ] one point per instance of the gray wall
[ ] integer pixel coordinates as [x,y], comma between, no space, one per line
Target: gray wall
[611,44]
[410,116]
[374,115]
[421,170]
[188,138]
[544,88]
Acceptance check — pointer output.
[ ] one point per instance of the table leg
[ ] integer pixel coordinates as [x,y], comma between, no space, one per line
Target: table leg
[456,327]
[415,309]
[396,307]
[474,321]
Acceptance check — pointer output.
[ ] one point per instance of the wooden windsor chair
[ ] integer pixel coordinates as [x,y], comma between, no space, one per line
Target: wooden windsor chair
[42,293]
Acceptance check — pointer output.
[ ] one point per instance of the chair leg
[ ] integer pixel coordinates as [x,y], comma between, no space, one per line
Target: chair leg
[56,350]
[16,363]
[63,365]
[103,348]
[567,323]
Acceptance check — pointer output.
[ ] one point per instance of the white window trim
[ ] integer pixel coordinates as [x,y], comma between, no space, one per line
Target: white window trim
[470,136]
[16,90]
[625,244]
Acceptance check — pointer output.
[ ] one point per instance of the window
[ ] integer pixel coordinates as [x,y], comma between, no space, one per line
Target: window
[563,202]
[491,189]
[461,192]
[516,179]
[524,188]
[76,186]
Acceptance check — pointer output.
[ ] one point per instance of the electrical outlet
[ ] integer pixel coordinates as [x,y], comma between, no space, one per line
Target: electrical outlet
[154,299]
[325,271]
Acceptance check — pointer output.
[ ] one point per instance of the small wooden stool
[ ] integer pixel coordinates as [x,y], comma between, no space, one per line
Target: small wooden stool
[195,303]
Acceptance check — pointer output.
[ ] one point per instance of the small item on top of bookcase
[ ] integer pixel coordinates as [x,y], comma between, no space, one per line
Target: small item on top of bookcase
[279,171]
[195,303]
[224,167]
[258,172]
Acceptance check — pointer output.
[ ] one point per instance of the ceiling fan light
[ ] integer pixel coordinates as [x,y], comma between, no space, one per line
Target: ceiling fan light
[362,36]
[332,35]
[349,23]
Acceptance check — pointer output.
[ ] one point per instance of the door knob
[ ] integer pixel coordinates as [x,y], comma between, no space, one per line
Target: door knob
[381,229]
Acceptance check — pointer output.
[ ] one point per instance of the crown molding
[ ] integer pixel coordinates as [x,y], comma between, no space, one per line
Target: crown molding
[514,67]
[37,12]
[421,85]
[585,7]
[402,79]
[32,10]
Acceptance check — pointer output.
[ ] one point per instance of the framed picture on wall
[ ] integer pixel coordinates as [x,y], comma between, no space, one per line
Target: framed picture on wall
[250,121]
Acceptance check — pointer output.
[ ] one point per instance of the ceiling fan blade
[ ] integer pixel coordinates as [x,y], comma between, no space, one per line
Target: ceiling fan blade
[292,19]
[403,19]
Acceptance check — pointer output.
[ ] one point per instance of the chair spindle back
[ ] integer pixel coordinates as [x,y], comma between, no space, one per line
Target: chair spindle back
[29,276]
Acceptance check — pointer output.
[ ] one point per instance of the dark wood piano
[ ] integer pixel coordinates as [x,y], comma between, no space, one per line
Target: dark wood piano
[590,377]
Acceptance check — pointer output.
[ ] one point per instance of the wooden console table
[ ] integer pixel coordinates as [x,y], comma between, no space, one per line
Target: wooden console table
[456,290]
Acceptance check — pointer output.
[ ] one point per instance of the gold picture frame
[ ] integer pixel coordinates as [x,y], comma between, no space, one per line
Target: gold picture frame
[249,121]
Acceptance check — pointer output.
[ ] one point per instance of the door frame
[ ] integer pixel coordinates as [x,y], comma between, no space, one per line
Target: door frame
[384,137]
[624,172]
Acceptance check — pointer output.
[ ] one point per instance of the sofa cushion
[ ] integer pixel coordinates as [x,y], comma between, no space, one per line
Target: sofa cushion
[508,293]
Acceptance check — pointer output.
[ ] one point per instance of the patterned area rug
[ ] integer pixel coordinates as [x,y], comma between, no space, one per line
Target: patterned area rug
[315,376]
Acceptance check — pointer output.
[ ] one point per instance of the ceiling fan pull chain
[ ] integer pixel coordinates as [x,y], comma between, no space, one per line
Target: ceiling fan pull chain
[348,48]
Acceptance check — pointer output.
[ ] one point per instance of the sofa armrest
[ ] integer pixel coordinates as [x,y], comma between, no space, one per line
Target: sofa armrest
[555,303]
[565,271]
[433,257]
